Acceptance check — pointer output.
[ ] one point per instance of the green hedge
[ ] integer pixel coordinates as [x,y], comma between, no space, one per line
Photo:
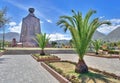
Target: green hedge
[113,52]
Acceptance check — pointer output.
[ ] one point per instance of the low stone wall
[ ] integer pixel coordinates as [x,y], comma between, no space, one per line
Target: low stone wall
[1,53]
[38,51]
[59,77]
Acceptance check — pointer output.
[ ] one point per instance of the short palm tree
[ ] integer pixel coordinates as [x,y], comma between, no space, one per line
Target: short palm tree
[42,40]
[97,45]
[82,30]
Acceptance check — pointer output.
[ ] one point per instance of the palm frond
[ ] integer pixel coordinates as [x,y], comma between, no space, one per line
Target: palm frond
[42,40]
[81,29]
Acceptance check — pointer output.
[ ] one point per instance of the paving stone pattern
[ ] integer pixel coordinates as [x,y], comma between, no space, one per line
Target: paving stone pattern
[111,65]
[23,69]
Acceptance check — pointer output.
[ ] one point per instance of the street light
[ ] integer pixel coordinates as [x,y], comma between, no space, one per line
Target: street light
[3,41]
[3,37]
[3,21]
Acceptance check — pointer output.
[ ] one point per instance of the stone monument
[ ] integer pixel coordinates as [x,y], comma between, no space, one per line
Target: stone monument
[30,27]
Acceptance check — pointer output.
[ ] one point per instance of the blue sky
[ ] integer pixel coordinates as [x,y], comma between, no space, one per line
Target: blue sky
[49,11]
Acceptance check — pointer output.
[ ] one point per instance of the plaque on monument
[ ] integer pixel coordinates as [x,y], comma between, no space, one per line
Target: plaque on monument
[30,27]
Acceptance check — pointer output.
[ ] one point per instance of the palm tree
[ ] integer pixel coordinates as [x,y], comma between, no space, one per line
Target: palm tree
[82,30]
[42,41]
[97,45]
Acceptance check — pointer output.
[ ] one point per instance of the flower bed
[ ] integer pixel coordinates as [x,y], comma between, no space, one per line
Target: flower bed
[66,69]
[40,58]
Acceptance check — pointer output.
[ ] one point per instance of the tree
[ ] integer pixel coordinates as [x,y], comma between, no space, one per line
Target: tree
[3,21]
[3,18]
[97,45]
[53,43]
[42,41]
[82,30]
[70,42]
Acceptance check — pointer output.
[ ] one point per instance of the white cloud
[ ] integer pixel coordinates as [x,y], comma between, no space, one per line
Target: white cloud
[107,29]
[50,21]
[101,17]
[59,36]
[12,23]
[41,22]
[13,27]
[115,21]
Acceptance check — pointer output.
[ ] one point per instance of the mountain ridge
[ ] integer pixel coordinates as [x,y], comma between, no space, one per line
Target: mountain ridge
[10,35]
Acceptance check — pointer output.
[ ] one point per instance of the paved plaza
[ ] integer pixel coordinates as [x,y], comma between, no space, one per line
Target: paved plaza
[111,65]
[23,69]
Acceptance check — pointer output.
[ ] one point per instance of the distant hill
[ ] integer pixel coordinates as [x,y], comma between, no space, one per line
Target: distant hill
[9,36]
[61,41]
[98,35]
[113,36]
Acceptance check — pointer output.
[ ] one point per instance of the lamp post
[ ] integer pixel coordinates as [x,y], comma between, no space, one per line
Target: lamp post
[0,42]
[3,37]
[3,41]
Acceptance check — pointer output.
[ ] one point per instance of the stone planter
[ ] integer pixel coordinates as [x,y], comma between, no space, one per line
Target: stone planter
[35,57]
[1,53]
[105,52]
[59,77]
[46,59]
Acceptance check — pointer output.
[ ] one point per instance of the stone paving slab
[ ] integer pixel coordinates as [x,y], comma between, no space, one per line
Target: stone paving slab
[23,69]
[111,65]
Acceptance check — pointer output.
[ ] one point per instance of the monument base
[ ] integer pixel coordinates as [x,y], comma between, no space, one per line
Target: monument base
[29,44]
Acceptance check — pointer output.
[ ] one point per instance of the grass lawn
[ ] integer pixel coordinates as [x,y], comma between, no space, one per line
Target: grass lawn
[67,70]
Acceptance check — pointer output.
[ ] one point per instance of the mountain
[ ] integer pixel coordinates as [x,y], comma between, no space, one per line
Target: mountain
[113,36]
[10,35]
[98,35]
[61,41]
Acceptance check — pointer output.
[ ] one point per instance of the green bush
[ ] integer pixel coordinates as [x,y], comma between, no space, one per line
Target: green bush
[59,71]
[113,52]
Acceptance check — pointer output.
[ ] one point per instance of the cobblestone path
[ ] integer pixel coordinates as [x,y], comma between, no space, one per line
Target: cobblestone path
[23,69]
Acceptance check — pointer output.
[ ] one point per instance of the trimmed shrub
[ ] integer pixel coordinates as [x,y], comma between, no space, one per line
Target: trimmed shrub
[113,52]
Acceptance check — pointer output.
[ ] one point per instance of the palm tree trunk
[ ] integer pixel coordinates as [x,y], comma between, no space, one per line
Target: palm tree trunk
[81,67]
[42,52]
[97,53]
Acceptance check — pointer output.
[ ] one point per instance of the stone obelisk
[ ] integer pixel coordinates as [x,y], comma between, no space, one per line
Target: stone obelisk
[30,27]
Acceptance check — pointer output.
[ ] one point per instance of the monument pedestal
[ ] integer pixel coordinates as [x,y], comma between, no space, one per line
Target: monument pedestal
[29,44]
